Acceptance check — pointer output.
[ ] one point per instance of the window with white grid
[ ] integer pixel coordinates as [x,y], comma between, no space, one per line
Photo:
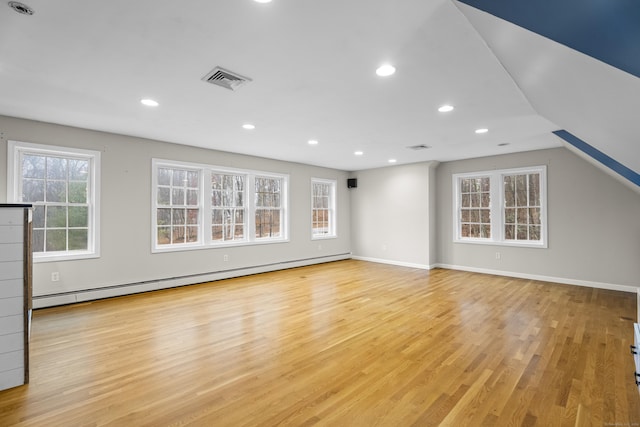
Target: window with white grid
[323,194]
[506,207]
[475,210]
[62,186]
[198,206]
[268,207]
[228,211]
[522,207]
[177,206]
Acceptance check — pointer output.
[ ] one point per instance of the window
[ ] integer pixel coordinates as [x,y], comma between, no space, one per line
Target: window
[227,207]
[522,207]
[475,211]
[505,207]
[323,208]
[177,206]
[268,202]
[199,206]
[62,185]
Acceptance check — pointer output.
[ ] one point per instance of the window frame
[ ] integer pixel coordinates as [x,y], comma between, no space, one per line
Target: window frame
[205,220]
[234,207]
[332,233]
[156,206]
[16,150]
[497,207]
[253,208]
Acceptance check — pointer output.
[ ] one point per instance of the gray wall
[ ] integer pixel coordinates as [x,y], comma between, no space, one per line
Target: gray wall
[594,223]
[398,214]
[126,211]
[390,214]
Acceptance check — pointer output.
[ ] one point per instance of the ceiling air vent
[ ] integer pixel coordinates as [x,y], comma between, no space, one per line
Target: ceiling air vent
[419,147]
[225,78]
[20,8]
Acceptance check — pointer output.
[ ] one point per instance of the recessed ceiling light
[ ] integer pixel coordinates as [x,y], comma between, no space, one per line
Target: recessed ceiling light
[358,153]
[248,126]
[313,142]
[392,160]
[385,70]
[445,108]
[149,102]
[262,1]
[482,130]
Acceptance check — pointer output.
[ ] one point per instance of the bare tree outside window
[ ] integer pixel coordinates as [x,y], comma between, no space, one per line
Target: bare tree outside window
[227,207]
[322,208]
[58,188]
[198,206]
[505,207]
[268,203]
[475,207]
[522,207]
[177,206]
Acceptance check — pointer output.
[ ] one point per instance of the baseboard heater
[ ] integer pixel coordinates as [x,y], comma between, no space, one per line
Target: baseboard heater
[72,297]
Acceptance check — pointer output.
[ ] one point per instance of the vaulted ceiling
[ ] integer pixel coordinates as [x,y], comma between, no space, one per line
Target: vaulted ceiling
[312,70]
[578,64]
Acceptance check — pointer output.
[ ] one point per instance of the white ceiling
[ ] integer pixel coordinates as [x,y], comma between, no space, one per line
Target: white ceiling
[88,63]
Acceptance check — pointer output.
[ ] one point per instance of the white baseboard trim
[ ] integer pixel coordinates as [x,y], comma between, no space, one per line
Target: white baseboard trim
[562,280]
[398,263]
[42,301]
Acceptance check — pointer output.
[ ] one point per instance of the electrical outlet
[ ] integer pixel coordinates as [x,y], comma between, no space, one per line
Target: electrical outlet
[498,256]
[55,276]
[225,258]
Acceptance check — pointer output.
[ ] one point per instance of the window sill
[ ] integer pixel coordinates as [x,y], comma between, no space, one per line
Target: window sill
[324,237]
[535,245]
[197,247]
[66,257]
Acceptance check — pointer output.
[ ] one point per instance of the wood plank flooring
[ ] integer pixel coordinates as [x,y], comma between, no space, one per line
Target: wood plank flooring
[348,343]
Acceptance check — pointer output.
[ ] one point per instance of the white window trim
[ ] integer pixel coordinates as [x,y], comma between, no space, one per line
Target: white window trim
[204,238]
[154,200]
[333,233]
[247,191]
[497,207]
[15,149]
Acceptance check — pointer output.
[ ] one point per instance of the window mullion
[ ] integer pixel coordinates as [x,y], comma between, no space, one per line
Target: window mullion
[246,214]
[251,207]
[497,207]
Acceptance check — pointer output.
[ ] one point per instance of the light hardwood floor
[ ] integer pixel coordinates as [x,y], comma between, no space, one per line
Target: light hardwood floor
[348,343]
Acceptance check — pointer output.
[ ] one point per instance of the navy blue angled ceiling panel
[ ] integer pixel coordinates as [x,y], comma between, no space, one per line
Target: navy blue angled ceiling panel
[607,30]
[599,156]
